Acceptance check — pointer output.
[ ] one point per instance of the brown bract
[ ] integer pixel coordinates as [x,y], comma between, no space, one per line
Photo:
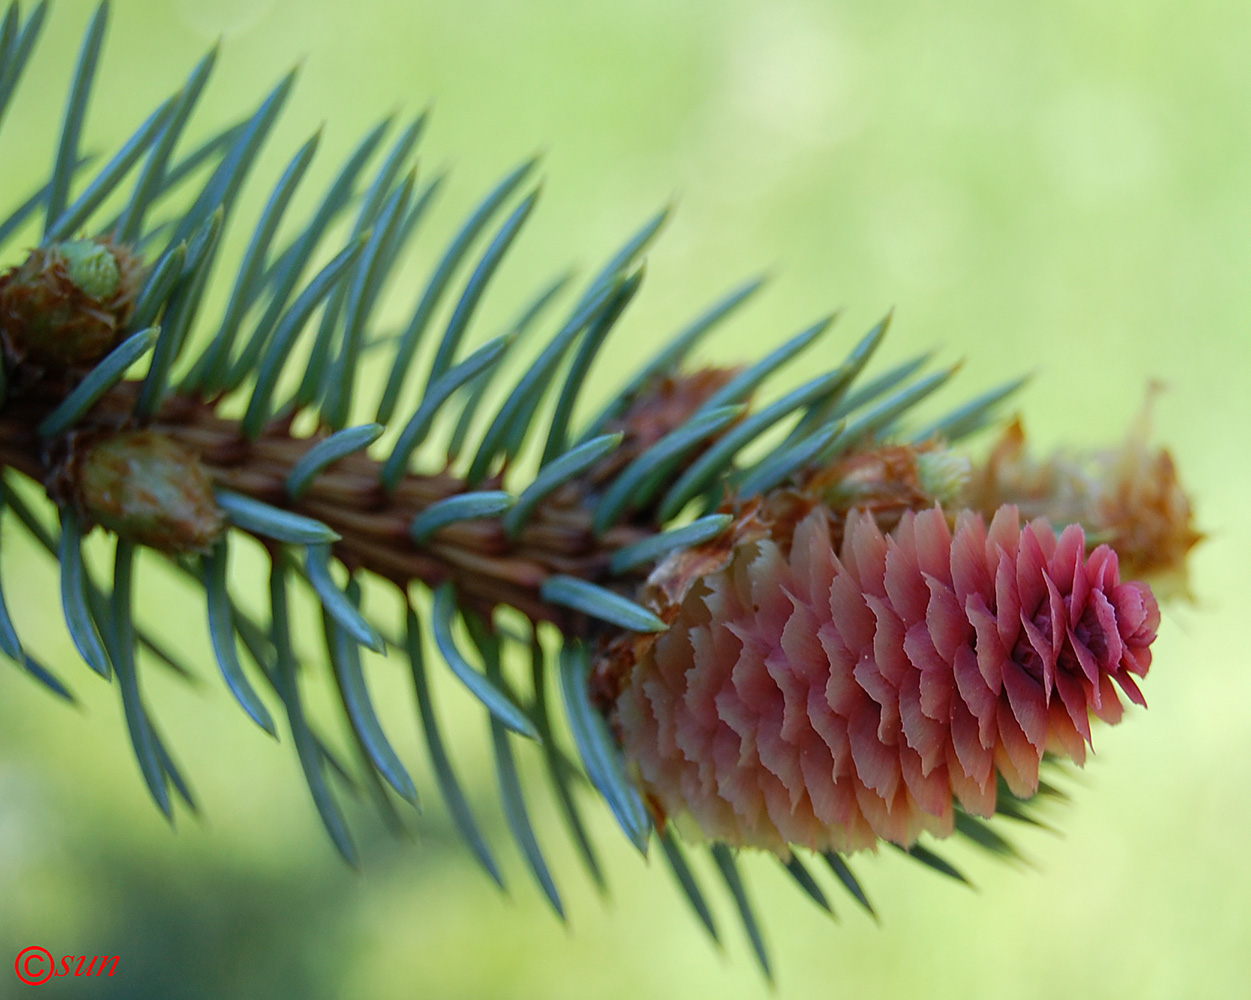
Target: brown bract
[1129,496]
[661,406]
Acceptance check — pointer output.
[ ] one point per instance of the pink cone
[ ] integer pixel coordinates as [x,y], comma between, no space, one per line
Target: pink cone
[830,700]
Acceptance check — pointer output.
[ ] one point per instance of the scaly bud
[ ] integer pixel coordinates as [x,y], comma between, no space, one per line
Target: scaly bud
[150,490]
[889,479]
[66,304]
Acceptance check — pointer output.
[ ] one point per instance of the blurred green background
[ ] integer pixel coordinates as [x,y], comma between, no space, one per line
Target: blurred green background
[1062,189]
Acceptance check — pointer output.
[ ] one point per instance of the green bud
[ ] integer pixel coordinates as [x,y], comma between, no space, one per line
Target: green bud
[943,474]
[92,268]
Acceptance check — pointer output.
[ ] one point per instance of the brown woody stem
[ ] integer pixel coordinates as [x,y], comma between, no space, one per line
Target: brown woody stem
[477,556]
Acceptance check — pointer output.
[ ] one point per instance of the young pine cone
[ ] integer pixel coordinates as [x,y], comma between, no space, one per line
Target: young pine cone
[831,698]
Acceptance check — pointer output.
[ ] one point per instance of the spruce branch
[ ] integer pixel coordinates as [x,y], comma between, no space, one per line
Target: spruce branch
[683,599]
